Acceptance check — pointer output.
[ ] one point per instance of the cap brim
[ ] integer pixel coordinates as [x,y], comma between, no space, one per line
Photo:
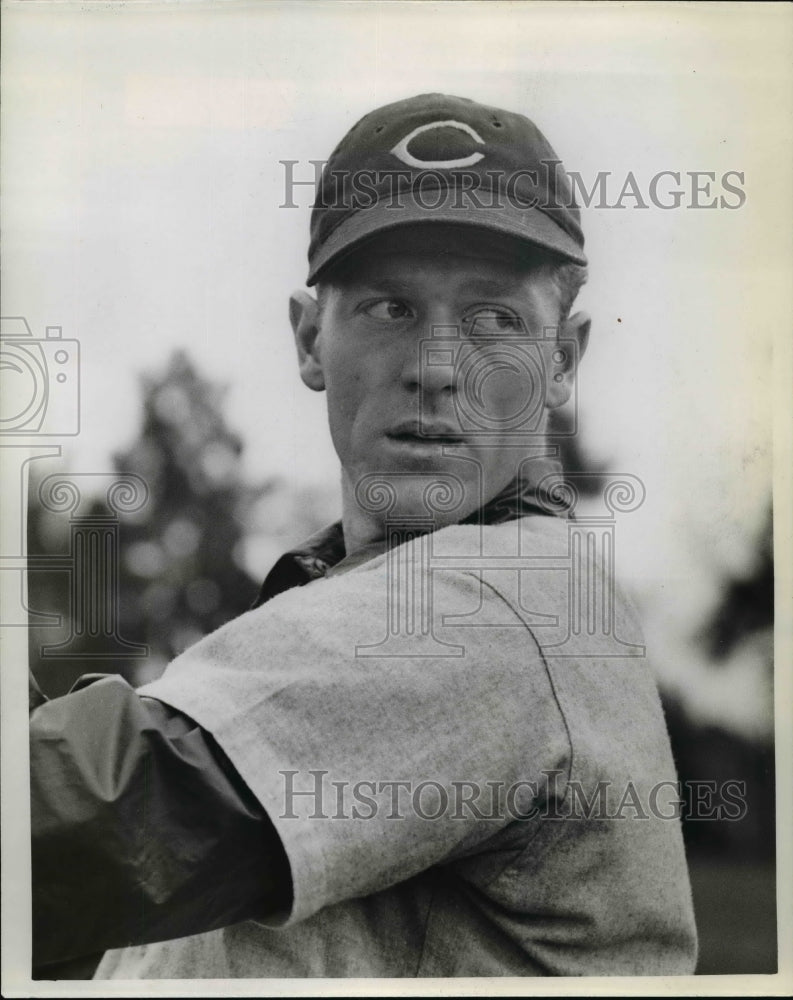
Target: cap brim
[531,225]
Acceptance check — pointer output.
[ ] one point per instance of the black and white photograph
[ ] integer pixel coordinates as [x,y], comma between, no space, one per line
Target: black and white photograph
[397,461]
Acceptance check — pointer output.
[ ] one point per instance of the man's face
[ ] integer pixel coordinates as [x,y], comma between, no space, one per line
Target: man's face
[433,347]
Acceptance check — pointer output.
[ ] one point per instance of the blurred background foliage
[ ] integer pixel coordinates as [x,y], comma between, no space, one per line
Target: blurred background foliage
[732,862]
[187,563]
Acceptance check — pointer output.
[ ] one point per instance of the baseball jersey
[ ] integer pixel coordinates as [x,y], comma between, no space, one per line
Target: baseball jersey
[462,748]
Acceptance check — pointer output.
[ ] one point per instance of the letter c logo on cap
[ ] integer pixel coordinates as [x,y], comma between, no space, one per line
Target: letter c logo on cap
[401,148]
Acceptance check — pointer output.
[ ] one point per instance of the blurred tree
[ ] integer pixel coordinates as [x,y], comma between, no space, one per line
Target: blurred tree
[48,591]
[748,603]
[741,625]
[180,572]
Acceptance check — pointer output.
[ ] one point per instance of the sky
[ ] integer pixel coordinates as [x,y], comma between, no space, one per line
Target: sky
[142,212]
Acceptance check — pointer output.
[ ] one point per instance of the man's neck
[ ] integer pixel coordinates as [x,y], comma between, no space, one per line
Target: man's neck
[360,528]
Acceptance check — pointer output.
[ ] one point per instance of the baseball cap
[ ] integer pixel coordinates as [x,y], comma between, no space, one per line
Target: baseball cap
[437,158]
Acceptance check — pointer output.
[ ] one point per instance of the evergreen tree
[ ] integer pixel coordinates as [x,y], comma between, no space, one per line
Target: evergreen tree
[179,566]
[181,571]
[747,608]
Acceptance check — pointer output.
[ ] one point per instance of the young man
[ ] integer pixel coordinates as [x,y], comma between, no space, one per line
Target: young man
[410,758]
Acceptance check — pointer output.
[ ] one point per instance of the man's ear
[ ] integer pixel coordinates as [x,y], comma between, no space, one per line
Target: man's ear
[565,357]
[304,317]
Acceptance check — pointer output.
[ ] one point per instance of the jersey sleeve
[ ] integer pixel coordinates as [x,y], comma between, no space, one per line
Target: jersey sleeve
[376,759]
[141,828]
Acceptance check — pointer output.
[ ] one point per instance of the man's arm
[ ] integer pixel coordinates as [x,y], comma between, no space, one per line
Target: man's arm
[142,830]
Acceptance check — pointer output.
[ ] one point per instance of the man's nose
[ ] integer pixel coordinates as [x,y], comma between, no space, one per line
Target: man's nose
[429,361]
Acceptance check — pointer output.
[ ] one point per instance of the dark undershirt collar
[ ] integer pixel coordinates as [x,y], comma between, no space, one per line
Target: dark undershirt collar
[322,551]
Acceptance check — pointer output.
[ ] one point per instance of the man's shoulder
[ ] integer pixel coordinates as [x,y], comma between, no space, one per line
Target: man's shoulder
[520,537]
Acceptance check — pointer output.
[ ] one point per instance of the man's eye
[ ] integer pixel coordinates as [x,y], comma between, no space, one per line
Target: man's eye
[492,320]
[386,309]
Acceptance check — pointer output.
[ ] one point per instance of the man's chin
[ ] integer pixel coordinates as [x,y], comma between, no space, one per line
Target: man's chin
[434,498]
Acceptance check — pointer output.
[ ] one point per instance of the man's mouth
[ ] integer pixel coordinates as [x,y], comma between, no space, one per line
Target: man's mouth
[425,434]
